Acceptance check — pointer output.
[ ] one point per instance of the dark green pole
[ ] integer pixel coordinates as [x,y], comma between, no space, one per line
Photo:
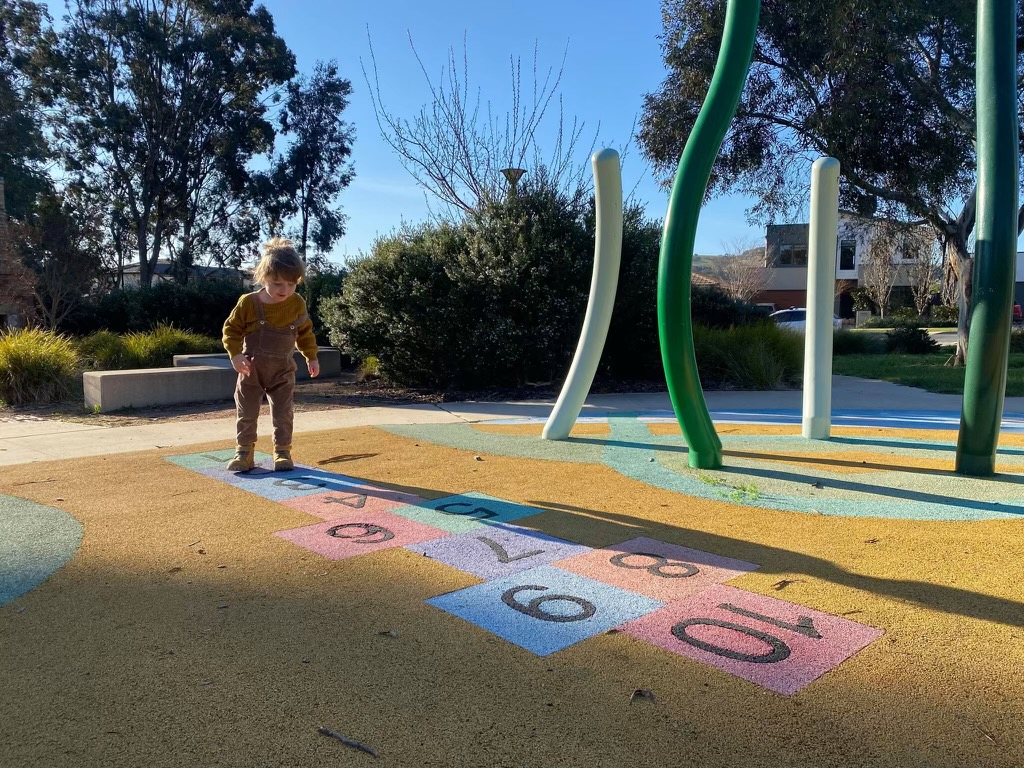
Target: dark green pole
[995,248]
[676,261]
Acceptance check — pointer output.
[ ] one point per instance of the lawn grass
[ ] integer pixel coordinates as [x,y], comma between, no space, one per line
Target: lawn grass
[923,371]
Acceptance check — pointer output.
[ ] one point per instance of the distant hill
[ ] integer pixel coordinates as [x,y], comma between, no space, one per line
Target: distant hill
[706,264]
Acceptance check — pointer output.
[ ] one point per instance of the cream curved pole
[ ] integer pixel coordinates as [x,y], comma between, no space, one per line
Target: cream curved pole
[821,281]
[607,254]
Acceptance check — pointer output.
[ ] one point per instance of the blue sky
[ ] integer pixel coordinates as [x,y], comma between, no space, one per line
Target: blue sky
[613,59]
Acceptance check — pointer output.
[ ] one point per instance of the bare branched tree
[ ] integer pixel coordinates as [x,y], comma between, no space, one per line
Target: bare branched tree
[741,270]
[843,287]
[880,267]
[458,144]
[920,248]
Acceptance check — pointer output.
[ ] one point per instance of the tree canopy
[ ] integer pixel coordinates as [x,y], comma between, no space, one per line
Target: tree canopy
[885,86]
[305,180]
[160,102]
[23,148]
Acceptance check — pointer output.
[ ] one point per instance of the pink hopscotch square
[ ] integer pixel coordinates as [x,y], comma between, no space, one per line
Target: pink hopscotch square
[358,535]
[354,500]
[655,568]
[777,645]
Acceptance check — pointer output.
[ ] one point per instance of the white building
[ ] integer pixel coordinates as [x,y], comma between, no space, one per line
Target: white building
[786,262]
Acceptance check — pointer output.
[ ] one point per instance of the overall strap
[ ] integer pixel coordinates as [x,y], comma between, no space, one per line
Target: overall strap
[259,308]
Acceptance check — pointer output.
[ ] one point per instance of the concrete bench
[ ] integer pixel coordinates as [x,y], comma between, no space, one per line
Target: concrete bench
[329,357]
[193,379]
[143,387]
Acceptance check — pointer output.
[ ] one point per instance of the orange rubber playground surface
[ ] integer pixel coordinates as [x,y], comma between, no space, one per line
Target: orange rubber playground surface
[470,595]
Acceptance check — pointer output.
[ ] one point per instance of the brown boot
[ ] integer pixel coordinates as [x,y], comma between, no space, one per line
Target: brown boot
[244,459]
[283,459]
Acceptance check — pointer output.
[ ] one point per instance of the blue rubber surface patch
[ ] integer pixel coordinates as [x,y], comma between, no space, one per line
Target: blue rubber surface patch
[35,541]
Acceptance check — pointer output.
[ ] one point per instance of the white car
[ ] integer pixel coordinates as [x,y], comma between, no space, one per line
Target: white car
[795,319]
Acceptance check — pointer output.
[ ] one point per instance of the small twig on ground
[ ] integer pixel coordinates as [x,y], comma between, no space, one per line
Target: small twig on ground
[347,741]
[780,585]
[33,482]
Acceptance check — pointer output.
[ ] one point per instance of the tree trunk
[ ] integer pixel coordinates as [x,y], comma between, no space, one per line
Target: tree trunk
[142,246]
[962,264]
[305,230]
[184,266]
[155,256]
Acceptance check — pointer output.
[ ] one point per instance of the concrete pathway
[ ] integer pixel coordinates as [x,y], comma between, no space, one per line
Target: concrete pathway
[26,439]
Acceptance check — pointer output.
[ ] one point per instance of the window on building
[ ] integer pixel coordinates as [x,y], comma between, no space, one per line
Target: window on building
[847,254]
[793,255]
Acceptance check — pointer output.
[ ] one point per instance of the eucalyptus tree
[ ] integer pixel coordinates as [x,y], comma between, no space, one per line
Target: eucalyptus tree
[304,181]
[158,105]
[23,148]
[885,86]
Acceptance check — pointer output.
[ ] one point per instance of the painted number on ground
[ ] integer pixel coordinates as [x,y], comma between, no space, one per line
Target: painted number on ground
[361,533]
[534,607]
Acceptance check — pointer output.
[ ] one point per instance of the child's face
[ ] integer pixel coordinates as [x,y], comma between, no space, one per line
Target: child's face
[278,288]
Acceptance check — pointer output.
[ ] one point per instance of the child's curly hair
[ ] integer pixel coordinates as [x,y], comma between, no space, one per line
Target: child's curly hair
[281,260]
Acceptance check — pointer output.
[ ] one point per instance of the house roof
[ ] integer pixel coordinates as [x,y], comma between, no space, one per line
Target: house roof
[164,267]
[703,280]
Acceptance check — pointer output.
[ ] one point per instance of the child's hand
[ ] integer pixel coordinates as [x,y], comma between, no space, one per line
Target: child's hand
[241,364]
[314,368]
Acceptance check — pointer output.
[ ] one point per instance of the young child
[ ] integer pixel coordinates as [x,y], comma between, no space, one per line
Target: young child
[261,335]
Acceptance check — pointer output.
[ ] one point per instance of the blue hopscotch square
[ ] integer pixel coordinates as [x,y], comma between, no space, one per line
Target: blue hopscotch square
[465,512]
[281,486]
[556,608]
[498,550]
[213,459]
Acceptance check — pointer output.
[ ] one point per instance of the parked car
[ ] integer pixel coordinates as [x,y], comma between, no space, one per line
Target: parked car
[795,319]
[1018,314]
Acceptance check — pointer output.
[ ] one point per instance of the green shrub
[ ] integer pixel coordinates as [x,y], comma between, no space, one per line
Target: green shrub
[499,298]
[861,301]
[1017,340]
[910,340]
[368,369]
[496,300]
[889,321]
[37,367]
[759,357]
[945,317]
[104,350]
[315,289]
[201,306]
[846,342]
[157,348]
[631,350]
[712,307]
[906,316]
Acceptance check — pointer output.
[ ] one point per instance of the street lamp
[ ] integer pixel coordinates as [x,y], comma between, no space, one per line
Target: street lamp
[512,176]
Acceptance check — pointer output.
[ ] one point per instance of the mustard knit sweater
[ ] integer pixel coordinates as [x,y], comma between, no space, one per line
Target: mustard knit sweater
[244,320]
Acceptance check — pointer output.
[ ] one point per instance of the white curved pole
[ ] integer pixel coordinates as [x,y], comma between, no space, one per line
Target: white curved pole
[821,281]
[607,254]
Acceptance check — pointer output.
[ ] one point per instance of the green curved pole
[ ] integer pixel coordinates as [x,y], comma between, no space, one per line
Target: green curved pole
[995,248]
[675,264]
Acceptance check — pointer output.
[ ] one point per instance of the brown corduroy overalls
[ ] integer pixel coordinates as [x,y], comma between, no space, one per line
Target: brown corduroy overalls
[271,353]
